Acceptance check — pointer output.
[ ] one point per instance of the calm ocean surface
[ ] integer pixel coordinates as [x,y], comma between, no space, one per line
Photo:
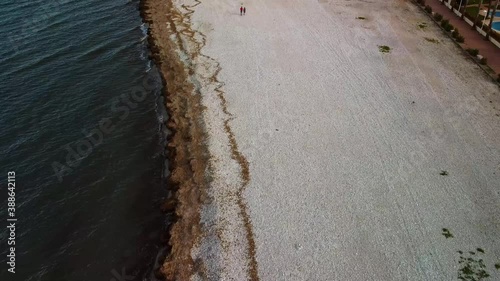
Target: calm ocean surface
[80,124]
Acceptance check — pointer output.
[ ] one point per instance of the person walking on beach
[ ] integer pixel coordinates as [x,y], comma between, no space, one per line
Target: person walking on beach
[244,10]
[241,10]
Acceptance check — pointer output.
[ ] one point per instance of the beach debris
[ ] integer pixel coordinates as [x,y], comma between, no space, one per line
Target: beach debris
[472,267]
[384,49]
[446,233]
[361,18]
[443,173]
[432,40]
[169,205]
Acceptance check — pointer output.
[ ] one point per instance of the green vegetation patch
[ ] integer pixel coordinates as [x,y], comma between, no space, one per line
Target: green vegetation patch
[473,52]
[422,25]
[438,16]
[472,267]
[361,18]
[446,233]
[472,2]
[443,173]
[473,11]
[497,266]
[384,49]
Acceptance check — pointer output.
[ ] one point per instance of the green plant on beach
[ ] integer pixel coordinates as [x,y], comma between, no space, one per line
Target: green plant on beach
[360,18]
[455,34]
[497,265]
[443,173]
[498,80]
[446,233]
[384,49]
[483,61]
[460,39]
[472,267]
[428,9]
[422,25]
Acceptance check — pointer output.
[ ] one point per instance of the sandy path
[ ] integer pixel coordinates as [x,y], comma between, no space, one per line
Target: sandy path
[344,144]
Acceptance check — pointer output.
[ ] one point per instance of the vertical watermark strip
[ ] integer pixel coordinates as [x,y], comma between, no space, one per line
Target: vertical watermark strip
[11,221]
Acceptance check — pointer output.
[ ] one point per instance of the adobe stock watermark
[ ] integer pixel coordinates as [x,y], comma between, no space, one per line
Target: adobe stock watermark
[122,105]
[121,276]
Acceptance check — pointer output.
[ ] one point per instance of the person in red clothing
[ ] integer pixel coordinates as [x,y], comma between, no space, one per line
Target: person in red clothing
[241,10]
[244,10]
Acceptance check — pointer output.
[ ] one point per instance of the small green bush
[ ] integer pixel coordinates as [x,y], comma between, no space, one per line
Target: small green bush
[384,49]
[444,23]
[460,39]
[448,27]
[455,34]
[473,52]
[438,17]
[428,9]
[483,61]
[498,80]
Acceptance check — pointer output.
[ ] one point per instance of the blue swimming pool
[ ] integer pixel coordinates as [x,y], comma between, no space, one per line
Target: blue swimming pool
[497,14]
[496,26]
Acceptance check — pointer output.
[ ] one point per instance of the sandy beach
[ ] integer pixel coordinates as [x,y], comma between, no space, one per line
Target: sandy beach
[302,151]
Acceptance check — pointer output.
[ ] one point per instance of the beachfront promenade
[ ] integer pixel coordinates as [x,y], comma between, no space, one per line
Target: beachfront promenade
[473,39]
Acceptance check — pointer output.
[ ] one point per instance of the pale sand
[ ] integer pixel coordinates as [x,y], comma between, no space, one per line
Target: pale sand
[345,144]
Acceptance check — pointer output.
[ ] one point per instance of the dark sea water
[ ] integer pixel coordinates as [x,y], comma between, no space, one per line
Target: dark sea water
[80,124]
